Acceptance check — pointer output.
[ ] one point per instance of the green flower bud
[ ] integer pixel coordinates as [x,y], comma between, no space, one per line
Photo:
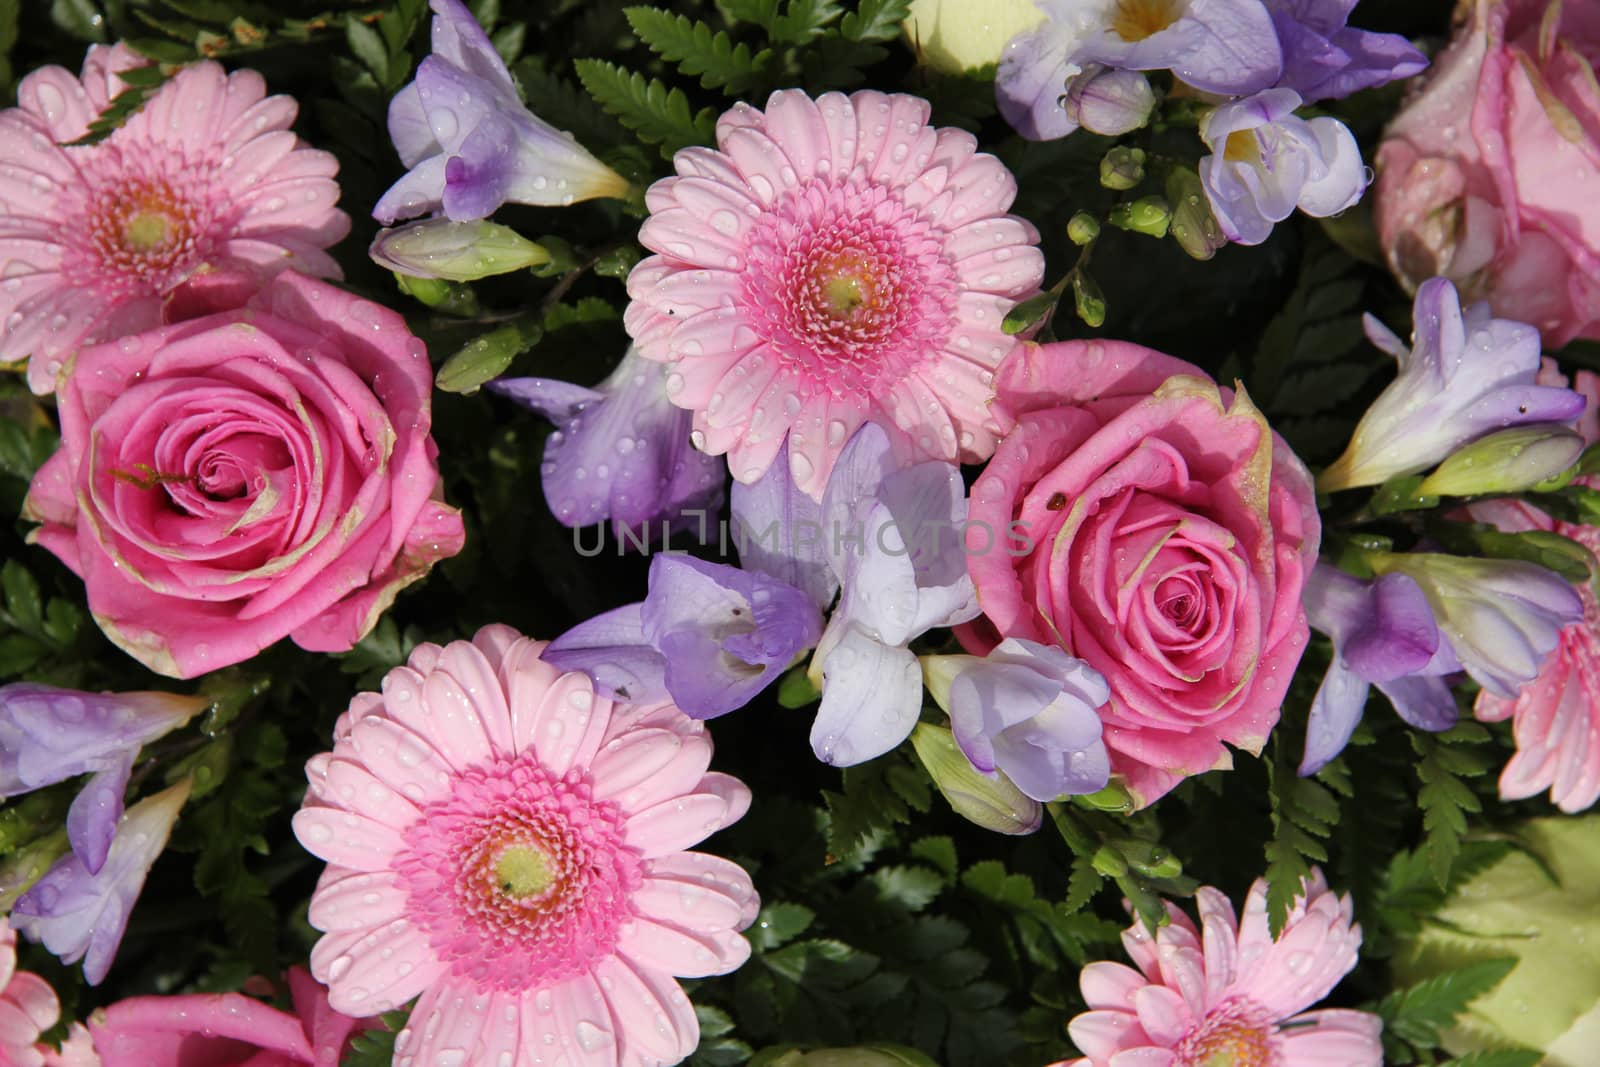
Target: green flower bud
[1122,168]
[1149,215]
[1194,227]
[1090,301]
[455,251]
[991,801]
[1083,228]
[1508,461]
[486,358]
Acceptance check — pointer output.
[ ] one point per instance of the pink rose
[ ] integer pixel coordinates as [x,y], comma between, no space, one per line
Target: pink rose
[223,1030]
[1168,533]
[240,477]
[1490,176]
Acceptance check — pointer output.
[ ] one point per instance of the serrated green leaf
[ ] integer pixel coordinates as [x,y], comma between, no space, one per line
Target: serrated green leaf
[657,114]
[875,20]
[939,851]
[1445,799]
[911,888]
[804,20]
[699,52]
[1519,1057]
[368,47]
[1418,1013]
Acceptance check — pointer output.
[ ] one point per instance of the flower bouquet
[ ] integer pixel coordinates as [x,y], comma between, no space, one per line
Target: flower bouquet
[1118,479]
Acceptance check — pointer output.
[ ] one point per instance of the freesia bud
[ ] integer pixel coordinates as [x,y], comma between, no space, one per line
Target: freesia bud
[1082,228]
[1506,462]
[1122,168]
[1194,227]
[455,251]
[1110,102]
[990,801]
[1149,215]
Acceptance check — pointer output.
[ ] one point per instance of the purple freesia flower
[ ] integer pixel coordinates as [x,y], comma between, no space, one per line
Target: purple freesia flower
[1384,634]
[1324,59]
[1266,161]
[48,735]
[707,635]
[1217,46]
[894,543]
[1503,617]
[469,142]
[1466,374]
[80,915]
[620,451]
[1029,710]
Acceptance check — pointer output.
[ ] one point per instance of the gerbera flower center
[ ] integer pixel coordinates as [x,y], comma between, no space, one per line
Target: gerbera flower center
[142,225]
[521,879]
[852,285]
[1134,20]
[1235,1034]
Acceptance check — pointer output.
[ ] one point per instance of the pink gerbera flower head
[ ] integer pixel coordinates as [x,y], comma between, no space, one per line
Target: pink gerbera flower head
[1230,994]
[205,185]
[834,261]
[508,846]
[28,1007]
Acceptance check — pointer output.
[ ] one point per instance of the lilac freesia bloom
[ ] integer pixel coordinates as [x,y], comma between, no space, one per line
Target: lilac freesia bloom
[1323,59]
[469,142]
[1384,634]
[894,543]
[48,735]
[707,635]
[82,916]
[1029,710]
[1465,375]
[1266,161]
[1502,617]
[1217,46]
[620,451]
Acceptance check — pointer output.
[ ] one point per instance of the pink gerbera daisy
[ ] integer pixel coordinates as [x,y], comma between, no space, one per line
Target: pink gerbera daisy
[835,260]
[508,845]
[28,1007]
[1231,994]
[205,182]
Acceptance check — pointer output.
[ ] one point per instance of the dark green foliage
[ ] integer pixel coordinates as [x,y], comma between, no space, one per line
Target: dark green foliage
[659,115]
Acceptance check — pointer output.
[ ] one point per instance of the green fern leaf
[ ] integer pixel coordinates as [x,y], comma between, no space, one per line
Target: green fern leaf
[713,57]
[647,107]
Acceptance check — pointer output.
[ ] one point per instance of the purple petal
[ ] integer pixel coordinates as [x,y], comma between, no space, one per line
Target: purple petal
[556,400]
[1110,102]
[409,130]
[871,695]
[779,531]
[1426,703]
[1324,59]
[78,915]
[612,650]
[1335,711]
[620,452]
[864,462]
[1216,46]
[1032,79]
[48,735]
[92,819]
[1396,634]
[1344,175]
[724,633]
[459,37]
[928,505]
